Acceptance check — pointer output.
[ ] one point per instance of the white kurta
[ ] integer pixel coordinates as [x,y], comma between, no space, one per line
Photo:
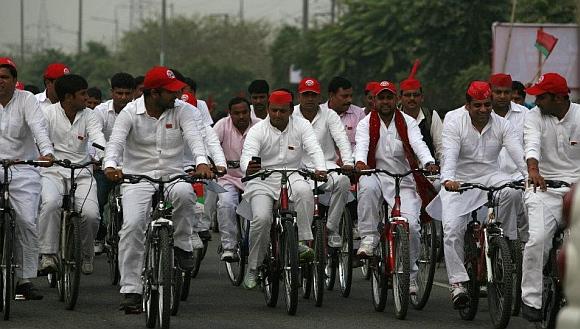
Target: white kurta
[43,100]
[516,116]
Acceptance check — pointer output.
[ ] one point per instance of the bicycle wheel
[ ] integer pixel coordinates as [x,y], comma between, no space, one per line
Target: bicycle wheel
[471,258]
[516,251]
[330,269]
[7,270]
[499,291]
[237,269]
[306,277]
[552,299]
[291,265]
[319,265]
[185,285]
[365,269]
[70,265]
[176,290]
[112,238]
[164,276]
[345,255]
[379,284]
[401,272]
[150,294]
[270,270]
[426,263]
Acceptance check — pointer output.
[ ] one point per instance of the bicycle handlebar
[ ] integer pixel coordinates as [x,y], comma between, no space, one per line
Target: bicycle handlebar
[66,163]
[265,173]
[7,162]
[470,186]
[134,179]
[368,172]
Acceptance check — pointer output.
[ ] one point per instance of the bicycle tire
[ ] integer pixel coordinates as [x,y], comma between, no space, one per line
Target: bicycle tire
[379,284]
[7,271]
[401,272]
[71,264]
[164,276]
[185,285]
[319,265]
[551,292]
[365,269]
[306,277]
[472,254]
[150,295]
[176,289]
[499,292]
[237,269]
[427,262]
[197,258]
[113,227]
[330,269]
[346,254]
[270,270]
[291,265]
[516,250]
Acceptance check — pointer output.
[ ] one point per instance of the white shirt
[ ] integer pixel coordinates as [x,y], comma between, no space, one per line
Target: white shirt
[330,133]
[471,156]
[516,115]
[282,148]
[210,139]
[70,141]
[204,110]
[105,113]
[43,100]
[390,154]
[436,130]
[153,146]
[21,123]
[554,143]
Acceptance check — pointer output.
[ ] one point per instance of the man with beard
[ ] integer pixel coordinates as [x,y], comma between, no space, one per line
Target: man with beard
[340,100]
[148,138]
[259,91]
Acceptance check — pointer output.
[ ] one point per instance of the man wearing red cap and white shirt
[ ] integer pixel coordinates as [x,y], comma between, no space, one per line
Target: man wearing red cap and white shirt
[21,124]
[428,120]
[368,100]
[52,72]
[280,140]
[148,137]
[340,100]
[331,136]
[379,145]
[473,137]
[552,151]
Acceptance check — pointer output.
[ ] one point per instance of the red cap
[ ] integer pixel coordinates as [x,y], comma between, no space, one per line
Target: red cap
[7,61]
[479,90]
[55,70]
[162,77]
[19,85]
[384,85]
[501,80]
[309,84]
[370,86]
[549,83]
[189,98]
[411,83]
[280,97]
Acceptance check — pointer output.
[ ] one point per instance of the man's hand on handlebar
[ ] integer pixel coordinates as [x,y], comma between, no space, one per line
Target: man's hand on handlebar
[202,170]
[320,175]
[432,168]
[361,166]
[114,175]
[49,157]
[347,170]
[452,186]
[253,167]
[536,179]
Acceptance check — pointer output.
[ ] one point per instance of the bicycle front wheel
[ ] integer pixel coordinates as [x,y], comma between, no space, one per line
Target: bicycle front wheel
[379,284]
[270,270]
[70,264]
[290,265]
[164,276]
[471,258]
[401,272]
[149,275]
[6,268]
[345,255]
[499,290]
[319,265]
[176,290]
[426,263]
[112,238]
[516,250]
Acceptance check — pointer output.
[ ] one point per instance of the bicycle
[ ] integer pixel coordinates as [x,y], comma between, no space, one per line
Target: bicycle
[69,258]
[392,266]
[7,235]
[161,287]
[236,269]
[115,211]
[488,261]
[281,260]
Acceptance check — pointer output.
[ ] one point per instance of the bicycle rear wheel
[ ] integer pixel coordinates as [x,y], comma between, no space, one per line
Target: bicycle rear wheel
[176,289]
[6,268]
[70,265]
[319,265]
[306,277]
[401,272]
[346,254]
[552,299]
[426,263]
[379,284]
[471,258]
[237,269]
[112,238]
[291,265]
[499,291]
[164,277]
[516,251]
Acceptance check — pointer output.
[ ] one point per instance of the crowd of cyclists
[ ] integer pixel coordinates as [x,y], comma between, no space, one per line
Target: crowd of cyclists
[155,126]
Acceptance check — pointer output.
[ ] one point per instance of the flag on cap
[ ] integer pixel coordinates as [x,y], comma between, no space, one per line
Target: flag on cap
[411,83]
[545,42]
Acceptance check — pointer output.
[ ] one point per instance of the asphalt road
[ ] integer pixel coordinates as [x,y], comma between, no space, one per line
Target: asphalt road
[215,303]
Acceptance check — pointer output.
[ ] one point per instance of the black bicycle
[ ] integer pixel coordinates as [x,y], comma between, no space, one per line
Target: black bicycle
[7,229]
[114,209]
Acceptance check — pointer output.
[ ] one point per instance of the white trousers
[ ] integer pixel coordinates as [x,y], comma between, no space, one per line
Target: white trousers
[226,215]
[370,198]
[203,221]
[339,188]
[24,198]
[136,207]
[454,232]
[300,193]
[53,188]
[545,215]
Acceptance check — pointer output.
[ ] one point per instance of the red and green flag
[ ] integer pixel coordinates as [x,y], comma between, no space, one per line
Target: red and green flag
[545,42]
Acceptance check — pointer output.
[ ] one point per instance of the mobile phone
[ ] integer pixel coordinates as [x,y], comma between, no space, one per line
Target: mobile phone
[257,160]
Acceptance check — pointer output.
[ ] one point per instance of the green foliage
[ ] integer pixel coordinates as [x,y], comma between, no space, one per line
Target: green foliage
[546,11]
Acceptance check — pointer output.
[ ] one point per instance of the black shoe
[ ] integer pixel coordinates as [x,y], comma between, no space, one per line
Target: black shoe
[204,236]
[131,303]
[531,314]
[28,291]
[184,259]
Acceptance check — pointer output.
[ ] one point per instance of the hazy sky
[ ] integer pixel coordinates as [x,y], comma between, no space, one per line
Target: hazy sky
[61,17]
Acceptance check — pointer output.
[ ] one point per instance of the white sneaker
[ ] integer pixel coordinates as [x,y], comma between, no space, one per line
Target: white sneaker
[413,287]
[459,296]
[365,250]
[196,242]
[250,280]
[229,256]
[334,239]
